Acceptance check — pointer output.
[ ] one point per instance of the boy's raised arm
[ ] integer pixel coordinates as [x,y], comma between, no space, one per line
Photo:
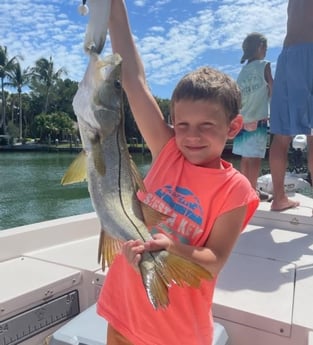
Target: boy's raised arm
[146,111]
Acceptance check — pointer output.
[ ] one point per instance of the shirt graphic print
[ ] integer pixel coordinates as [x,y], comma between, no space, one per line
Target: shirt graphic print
[185,214]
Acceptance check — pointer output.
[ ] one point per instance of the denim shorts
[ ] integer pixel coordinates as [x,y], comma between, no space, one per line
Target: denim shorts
[291,111]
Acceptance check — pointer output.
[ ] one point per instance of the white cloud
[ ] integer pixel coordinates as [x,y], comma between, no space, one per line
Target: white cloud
[173,36]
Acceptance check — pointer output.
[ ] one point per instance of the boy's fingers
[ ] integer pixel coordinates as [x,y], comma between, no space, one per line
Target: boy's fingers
[137,258]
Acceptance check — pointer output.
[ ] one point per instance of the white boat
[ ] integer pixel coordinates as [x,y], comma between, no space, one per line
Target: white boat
[293,183]
[50,280]
[296,181]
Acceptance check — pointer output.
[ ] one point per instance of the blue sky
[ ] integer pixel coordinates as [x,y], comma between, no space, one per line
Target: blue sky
[173,36]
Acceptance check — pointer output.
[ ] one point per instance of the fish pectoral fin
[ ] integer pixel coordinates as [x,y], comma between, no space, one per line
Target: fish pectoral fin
[151,216]
[137,178]
[77,171]
[108,248]
[97,155]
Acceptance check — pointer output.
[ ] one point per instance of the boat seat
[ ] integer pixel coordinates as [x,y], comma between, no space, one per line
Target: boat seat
[88,328]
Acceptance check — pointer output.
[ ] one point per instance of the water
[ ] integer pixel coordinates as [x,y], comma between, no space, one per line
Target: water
[30,189]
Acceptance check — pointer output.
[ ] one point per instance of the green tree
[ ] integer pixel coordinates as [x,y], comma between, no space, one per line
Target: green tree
[54,126]
[164,105]
[28,115]
[131,130]
[44,78]
[62,96]
[7,65]
[18,79]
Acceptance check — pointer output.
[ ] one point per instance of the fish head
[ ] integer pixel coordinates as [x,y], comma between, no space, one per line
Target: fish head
[98,100]
[108,88]
[107,96]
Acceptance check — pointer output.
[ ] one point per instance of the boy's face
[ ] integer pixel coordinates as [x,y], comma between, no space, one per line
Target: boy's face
[201,131]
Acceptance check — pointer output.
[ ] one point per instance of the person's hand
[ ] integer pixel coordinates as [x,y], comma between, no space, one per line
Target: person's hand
[132,250]
[159,242]
[251,126]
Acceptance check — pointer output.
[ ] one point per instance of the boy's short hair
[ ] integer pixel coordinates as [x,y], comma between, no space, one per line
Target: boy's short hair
[250,45]
[206,83]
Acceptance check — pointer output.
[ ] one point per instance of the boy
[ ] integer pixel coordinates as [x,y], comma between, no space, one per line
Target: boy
[207,201]
[255,81]
[292,100]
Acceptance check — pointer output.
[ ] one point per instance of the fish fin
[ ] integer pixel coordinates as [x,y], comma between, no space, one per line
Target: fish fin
[77,171]
[98,159]
[137,178]
[183,272]
[151,216]
[170,269]
[108,248]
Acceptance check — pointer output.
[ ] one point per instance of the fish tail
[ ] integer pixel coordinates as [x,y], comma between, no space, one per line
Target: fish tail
[156,286]
[101,251]
[171,269]
[183,272]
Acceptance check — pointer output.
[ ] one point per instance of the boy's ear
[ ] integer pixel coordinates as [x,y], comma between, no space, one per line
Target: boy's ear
[235,126]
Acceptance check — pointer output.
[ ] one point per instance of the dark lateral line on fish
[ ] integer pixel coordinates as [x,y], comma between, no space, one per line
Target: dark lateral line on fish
[119,184]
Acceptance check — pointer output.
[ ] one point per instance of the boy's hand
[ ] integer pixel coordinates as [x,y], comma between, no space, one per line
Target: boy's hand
[159,242]
[132,251]
[251,126]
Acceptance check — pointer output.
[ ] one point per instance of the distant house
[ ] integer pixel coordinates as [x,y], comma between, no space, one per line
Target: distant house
[5,140]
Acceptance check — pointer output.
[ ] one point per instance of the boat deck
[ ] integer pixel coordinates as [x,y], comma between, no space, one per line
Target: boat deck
[263,295]
[265,289]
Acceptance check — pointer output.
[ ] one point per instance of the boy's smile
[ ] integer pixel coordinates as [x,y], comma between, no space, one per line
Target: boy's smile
[202,129]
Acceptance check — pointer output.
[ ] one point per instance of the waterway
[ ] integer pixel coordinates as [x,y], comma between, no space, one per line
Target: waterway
[30,189]
[31,192]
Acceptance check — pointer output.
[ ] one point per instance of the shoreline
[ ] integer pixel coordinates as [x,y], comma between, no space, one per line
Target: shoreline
[76,149]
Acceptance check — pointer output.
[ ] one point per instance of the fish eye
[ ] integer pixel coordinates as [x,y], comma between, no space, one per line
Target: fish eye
[117,84]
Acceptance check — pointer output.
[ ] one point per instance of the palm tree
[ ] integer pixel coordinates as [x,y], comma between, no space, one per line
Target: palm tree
[45,76]
[6,66]
[18,79]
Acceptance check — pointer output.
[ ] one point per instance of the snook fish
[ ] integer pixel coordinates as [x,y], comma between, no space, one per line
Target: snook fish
[113,181]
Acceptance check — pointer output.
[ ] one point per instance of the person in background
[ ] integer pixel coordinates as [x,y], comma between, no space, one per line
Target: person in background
[207,202]
[292,99]
[255,81]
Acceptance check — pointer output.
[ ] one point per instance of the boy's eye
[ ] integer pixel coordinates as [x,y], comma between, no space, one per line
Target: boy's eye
[206,125]
[201,125]
[181,125]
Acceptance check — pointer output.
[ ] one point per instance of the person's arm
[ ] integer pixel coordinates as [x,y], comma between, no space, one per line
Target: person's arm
[269,79]
[212,257]
[145,109]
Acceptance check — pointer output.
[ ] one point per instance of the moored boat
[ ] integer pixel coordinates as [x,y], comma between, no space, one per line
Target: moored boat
[293,183]
[297,178]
